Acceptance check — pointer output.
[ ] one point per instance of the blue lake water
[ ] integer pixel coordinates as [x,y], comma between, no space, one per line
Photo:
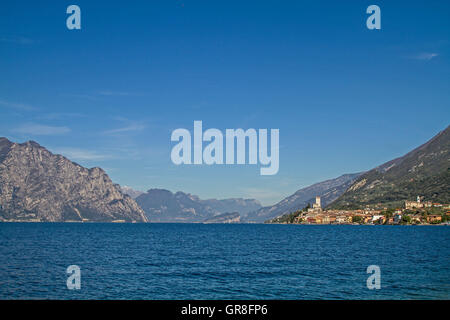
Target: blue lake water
[195,261]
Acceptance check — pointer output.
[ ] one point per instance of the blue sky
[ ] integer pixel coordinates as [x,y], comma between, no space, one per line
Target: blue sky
[345,98]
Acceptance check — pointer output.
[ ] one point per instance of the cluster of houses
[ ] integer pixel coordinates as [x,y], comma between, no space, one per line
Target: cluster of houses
[316,215]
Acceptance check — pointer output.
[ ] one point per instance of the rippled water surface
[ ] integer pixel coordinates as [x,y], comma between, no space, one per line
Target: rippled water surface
[195,261]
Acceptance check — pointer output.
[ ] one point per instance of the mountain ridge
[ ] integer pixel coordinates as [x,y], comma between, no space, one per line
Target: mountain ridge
[37,185]
[227,217]
[130,191]
[161,205]
[329,190]
[423,171]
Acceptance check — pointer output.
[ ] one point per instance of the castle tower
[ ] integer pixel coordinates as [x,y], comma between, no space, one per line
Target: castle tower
[318,202]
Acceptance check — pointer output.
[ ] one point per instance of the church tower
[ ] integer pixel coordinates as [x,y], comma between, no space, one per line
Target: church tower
[318,202]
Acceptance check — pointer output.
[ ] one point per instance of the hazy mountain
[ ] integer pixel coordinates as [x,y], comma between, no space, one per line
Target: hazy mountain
[328,190]
[164,206]
[131,192]
[232,217]
[424,171]
[242,206]
[37,185]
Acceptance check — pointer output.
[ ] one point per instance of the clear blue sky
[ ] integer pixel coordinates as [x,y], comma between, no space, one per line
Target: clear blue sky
[345,98]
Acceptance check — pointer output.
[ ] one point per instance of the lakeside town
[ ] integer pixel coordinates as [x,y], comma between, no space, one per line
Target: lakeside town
[418,212]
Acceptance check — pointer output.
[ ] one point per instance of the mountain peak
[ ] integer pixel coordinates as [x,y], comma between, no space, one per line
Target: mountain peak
[37,185]
[422,171]
[162,205]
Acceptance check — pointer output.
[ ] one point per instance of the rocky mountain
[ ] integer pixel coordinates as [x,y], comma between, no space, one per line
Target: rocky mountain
[328,190]
[161,205]
[130,191]
[232,217]
[164,206]
[424,171]
[37,185]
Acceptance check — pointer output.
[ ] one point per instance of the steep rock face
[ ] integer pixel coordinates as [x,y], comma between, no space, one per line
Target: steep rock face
[424,171]
[328,190]
[37,185]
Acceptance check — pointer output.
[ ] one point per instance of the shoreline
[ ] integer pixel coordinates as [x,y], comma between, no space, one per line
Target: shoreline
[250,223]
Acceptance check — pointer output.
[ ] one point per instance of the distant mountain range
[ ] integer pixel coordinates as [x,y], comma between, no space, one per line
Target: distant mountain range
[162,205]
[424,171]
[232,217]
[37,185]
[328,190]
[131,192]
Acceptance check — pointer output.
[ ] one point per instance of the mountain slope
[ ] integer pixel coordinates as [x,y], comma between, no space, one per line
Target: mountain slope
[131,192]
[164,206]
[424,171]
[37,185]
[242,206]
[328,190]
[232,217]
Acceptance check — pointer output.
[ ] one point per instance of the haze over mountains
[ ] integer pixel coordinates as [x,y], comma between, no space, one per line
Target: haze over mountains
[131,192]
[232,217]
[37,185]
[162,205]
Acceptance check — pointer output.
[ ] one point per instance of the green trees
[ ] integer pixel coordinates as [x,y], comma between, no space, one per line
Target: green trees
[290,217]
[406,219]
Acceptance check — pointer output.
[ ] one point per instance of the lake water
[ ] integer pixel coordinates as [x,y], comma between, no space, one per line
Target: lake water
[195,261]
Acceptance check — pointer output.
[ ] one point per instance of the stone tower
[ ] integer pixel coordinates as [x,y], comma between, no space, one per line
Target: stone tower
[317,204]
